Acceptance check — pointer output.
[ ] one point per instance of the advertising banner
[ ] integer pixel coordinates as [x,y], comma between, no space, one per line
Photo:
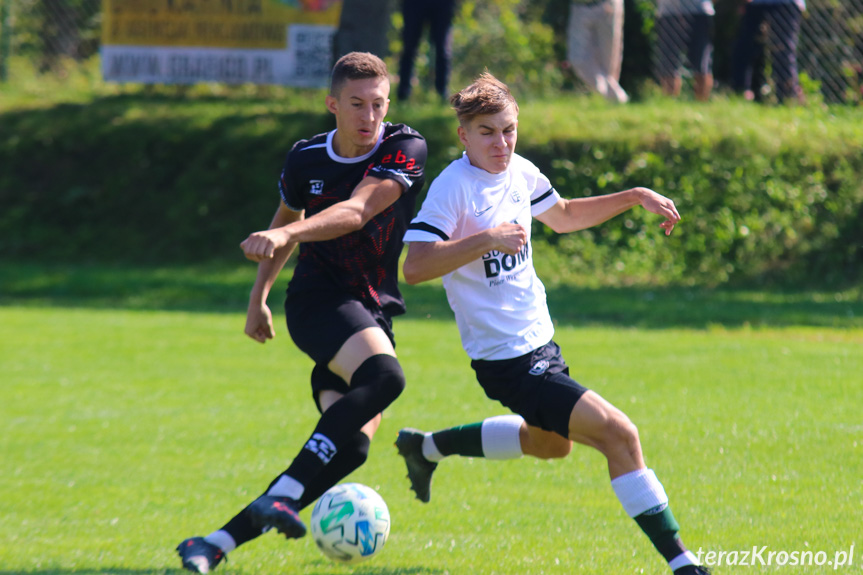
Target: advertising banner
[286,42]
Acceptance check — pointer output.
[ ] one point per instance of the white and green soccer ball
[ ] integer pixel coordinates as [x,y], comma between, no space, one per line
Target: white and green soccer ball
[350,523]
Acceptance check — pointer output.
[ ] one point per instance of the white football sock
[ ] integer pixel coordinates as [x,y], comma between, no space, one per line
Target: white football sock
[430,450]
[221,539]
[500,437]
[287,487]
[639,491]
[685,558]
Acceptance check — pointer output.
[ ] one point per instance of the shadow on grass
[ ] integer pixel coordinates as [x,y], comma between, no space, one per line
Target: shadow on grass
[205,288]
[224,288]
[659,308]
[701,308]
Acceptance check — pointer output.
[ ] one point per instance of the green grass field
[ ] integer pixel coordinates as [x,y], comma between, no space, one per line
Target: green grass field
[134,413]
[130,421]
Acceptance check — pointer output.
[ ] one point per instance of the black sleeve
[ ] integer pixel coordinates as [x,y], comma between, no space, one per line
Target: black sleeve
[288,189]
[402,158]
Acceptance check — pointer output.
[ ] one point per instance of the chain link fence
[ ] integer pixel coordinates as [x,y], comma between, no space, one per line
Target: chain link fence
[831,48]
[49,35]
[777,52]
[780,49]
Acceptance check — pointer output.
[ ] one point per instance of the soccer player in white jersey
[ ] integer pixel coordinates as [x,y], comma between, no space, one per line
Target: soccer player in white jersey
[474,231]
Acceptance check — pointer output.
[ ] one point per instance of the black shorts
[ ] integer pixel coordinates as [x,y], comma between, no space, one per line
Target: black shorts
[677,34]
[321,323]
[536,386]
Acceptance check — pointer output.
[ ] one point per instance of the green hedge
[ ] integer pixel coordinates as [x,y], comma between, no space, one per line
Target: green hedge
[766,195]
[782,218]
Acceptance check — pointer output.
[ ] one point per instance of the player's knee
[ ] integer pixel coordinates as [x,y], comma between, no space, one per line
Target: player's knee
[384,373]
[392,381]
[560,450]
[545,444]
[553,450]
[614,434]
[621,433]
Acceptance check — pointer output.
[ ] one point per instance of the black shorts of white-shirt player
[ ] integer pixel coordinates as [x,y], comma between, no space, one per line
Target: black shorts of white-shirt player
[536,386]
[321,323]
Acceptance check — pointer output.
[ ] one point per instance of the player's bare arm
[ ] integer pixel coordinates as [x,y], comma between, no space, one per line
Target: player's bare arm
[259,319]
[582,213]
[429,260]
[371,197]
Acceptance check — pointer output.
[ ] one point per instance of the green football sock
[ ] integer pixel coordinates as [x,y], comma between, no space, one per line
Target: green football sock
[661,528]
[644,499]
[496,437]
[464,440]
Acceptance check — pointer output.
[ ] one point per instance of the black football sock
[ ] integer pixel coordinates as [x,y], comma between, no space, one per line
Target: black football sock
[375,384]
[348,459]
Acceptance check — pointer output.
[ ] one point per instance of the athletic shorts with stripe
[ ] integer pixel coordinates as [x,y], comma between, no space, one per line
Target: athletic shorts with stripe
[537,386]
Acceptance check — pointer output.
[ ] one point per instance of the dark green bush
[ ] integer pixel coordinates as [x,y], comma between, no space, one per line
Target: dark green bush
[747,217]
[165,180]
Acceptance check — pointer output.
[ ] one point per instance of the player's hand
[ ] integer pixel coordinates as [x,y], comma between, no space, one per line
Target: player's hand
[508,238]
[259,323]
[659,204]
[262,245]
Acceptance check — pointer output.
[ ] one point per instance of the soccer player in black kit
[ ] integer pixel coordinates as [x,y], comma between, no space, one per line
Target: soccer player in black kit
[347,197]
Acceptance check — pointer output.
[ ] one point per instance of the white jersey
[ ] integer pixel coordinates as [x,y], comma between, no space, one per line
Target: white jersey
[499,303]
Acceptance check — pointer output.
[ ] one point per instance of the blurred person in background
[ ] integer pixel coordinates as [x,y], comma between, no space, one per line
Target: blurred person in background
[685,26]
[439,15]
[363,27]
[595,45]
[783,18]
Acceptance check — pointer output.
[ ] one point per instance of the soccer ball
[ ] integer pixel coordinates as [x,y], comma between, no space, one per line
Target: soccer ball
[350,523]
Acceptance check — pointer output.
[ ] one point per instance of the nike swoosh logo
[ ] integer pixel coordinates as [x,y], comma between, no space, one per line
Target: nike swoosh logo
[478,213]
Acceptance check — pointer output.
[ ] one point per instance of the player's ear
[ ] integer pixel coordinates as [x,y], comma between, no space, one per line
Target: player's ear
[332,103]
[462,135]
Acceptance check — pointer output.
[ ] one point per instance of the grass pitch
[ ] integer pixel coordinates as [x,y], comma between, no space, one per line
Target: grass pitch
[124,431]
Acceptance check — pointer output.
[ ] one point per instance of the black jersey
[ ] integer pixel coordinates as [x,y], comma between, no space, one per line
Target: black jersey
[363,263]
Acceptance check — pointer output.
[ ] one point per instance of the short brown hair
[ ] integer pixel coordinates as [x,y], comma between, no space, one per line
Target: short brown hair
[487,95]
[356,66]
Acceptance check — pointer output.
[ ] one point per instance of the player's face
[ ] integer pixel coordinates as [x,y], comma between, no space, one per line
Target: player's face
[490,140]
[359,107]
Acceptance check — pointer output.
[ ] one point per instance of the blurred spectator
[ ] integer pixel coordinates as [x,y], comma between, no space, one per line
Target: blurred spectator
[439,15]
[363,27]
[782,18]
[595,45]
[685,26]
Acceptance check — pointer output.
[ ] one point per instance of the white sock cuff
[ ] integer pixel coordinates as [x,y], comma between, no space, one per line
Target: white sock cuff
[500,437]
[286,486]
[685,558]
[430,450]
[222,539]
[639,491]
